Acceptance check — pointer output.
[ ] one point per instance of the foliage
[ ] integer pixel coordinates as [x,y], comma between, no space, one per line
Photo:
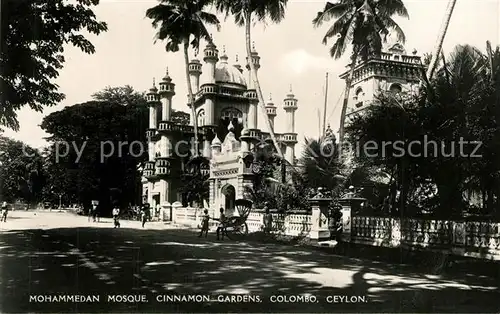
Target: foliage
[126,95]
[106,169]
[195,187]
[21,173]
[461,104]
[267,189]
[364,24]
[122,95]
[261,10]
[321,166]
[180,117]
[34,34]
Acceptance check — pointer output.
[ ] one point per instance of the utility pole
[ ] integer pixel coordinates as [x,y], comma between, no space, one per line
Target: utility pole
[324,106]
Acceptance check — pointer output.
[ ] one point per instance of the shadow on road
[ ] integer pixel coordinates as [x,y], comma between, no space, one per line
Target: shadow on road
[105,261]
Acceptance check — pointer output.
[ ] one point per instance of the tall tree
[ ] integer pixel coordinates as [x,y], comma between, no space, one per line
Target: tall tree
[121,95]
[101,154]
[363,24]
[33,35]
[262,10]
[21,173]
[177,22]
[439,44]
[127,95]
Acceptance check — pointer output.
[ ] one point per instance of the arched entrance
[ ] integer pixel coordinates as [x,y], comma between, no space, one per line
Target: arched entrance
[229,196]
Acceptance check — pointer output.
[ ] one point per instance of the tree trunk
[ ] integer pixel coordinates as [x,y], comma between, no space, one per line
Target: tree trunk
[191,97]
[442,34]
[346,101]
[257,84]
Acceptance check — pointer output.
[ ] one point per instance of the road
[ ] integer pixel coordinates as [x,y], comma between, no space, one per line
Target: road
[50,254]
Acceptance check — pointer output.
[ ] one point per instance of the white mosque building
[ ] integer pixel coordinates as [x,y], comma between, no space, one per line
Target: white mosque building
[227,117]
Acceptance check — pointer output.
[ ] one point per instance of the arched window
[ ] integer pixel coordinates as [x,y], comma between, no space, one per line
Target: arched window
[228,115]
[200,117]
[359,96]
[232,113]
[395,88]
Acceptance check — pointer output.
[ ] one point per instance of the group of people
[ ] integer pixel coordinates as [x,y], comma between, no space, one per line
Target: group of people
[220,227]
[268,220]
[145,214]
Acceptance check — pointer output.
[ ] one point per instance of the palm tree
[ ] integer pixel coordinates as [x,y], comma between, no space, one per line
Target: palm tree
[439,44]
[363,24]
[178,21]
[263,10]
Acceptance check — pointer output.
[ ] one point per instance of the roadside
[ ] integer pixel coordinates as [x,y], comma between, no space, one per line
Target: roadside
[427,262]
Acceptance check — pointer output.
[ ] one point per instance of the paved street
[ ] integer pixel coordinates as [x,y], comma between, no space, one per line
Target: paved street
[59,253]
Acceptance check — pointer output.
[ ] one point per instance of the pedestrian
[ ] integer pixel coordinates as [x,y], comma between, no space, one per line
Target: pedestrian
[90,213]
[94,212]
[204,223]
[4,210]
[268,219]
[116,213]
[220,227]
[145,214]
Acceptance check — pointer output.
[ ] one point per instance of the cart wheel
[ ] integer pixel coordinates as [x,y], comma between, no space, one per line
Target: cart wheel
[237,230]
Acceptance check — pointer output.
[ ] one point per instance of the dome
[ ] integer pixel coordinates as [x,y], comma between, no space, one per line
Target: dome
[225,73]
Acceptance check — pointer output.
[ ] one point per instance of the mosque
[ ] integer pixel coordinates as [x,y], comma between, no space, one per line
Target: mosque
[226,106]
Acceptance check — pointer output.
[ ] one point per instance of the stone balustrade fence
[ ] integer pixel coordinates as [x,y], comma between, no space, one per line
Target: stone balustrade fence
[464,238]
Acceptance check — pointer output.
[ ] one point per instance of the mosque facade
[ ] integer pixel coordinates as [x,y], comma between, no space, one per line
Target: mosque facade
[227,111]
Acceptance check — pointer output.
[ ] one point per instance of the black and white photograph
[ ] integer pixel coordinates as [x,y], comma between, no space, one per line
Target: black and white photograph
[249,156]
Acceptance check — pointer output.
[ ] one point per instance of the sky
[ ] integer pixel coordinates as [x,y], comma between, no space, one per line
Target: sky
[291,54]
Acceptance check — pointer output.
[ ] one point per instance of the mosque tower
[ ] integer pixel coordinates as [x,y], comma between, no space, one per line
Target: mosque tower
[290,137]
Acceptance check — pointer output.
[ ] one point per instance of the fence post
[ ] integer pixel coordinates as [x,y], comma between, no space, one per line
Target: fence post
[458,237]
[319,218]
[175,212]
[166,211]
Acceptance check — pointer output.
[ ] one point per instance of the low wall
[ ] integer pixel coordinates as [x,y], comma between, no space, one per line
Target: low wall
[473,239]
[293,225]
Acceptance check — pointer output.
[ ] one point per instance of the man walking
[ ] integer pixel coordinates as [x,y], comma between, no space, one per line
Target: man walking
[4,210]
[116,213]
[145,214]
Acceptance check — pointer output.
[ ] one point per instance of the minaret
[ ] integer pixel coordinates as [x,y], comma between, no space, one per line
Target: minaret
[211,57]
[167,91]
[251,94]
[290,137]
[194,73]
[153,101]
[237,65]
[256,62]
[271,111]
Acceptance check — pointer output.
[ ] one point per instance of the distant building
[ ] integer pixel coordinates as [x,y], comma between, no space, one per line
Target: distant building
[395,71]
[226,113]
